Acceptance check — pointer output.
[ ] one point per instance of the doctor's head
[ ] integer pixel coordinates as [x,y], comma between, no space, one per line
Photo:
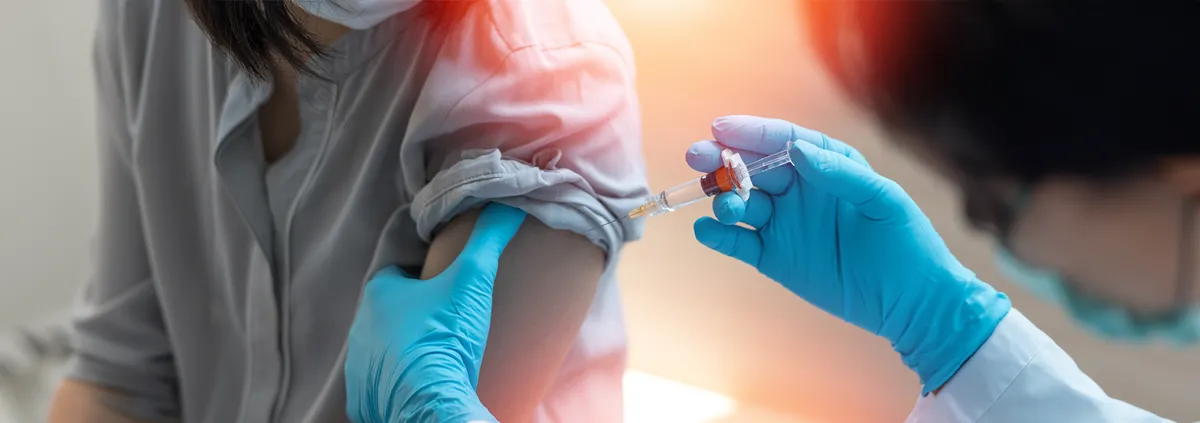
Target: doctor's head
[1069,128]
[262,36]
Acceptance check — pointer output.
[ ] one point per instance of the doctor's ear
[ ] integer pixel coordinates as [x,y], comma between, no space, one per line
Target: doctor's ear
[1183,174]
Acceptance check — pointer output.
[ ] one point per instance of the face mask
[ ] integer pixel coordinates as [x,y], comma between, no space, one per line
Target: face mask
[1108,320]
[356,14]
[1113,321]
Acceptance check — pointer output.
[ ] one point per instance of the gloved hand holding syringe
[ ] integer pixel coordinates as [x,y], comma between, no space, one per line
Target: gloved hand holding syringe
[733,176]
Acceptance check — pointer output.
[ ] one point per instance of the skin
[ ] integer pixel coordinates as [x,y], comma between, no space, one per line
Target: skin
[81,402]
[538,305]
[1115,241]
[279,117]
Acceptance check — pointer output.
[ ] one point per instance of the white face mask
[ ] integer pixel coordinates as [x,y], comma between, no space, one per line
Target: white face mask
[356,14]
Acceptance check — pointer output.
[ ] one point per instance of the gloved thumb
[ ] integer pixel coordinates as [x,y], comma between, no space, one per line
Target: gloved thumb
[496,226]
[871,194]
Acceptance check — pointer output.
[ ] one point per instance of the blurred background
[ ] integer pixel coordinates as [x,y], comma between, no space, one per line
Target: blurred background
[711,341]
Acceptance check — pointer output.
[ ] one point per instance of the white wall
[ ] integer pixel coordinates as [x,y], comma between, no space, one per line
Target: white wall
[707,322]
[47,162]
[46,171]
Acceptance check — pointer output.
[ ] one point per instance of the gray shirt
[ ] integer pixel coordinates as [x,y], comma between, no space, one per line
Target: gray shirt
[223,291]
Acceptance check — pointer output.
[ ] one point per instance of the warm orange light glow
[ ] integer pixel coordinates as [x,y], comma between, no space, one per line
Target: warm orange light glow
[668,10]
[650,398]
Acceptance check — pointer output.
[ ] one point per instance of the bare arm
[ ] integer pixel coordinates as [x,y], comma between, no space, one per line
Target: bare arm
[545,285]
[80,402]
[552,128]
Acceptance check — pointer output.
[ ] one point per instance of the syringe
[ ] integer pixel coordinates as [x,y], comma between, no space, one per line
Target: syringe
[733,176]
[770,162]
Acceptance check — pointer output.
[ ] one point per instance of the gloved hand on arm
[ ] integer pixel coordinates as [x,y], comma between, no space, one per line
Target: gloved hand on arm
[415,346]
[850,242]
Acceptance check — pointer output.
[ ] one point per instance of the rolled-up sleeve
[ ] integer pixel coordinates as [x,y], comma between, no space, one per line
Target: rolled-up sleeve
[553,130]
[118,335]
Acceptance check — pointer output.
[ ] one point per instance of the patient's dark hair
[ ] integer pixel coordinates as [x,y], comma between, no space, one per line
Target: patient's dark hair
[261,34]
[1020,90]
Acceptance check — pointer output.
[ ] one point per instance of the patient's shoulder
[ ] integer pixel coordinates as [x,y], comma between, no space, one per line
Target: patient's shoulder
[153,46]
[138,24]
[555,24]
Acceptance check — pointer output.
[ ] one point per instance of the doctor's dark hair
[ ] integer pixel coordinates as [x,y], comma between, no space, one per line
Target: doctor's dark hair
[259,35]
[1017,90]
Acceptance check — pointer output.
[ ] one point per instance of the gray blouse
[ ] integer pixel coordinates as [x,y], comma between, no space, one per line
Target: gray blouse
[224,289]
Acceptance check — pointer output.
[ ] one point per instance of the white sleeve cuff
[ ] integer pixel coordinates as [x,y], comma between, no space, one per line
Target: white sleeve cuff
[985,376]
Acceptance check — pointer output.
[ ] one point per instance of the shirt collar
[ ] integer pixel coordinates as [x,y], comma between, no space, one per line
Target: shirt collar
[356,47]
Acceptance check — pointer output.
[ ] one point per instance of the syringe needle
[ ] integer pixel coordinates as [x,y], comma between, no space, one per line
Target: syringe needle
[606,223]
[733,177]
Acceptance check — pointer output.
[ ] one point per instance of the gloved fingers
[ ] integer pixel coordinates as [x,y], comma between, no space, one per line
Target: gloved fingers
[823,141]
[775,181]
[759,209]
[391,272]
[854,154]
[734,241]
[384,282]
[768,135]
[753,133]
[871,194]
[705,156]
[496,226]
[731,209]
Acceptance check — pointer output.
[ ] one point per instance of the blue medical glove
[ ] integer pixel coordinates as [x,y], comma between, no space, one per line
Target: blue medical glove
[850,242]
[415,347]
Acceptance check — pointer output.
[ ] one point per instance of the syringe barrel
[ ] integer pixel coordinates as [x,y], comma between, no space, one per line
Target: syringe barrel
[676,197]
[683,194]
[692,191]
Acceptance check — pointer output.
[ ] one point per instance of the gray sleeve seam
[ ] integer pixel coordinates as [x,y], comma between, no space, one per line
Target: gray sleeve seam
[108,57]
[457,185]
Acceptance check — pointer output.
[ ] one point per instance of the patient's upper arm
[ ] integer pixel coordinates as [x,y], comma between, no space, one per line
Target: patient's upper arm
[552,129]
[543,290]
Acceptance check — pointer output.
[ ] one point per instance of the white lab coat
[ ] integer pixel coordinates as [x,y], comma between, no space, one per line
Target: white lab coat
[1021,375]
